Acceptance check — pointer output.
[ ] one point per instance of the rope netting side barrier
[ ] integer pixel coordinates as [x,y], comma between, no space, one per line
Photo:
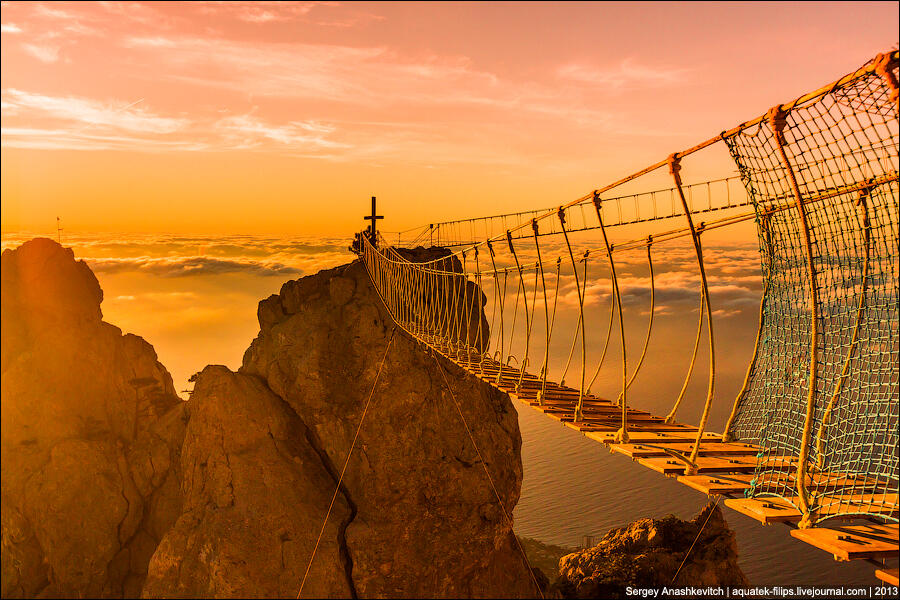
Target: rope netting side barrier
[534,302]
[824,388]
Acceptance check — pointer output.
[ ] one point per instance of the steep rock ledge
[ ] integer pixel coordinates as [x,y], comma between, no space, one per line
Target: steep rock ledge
[255,494]
[91,435]
[416,516]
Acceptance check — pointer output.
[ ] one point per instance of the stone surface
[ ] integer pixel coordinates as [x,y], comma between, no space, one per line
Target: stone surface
[255,494]
[91,435]
[648,552]
[416,515]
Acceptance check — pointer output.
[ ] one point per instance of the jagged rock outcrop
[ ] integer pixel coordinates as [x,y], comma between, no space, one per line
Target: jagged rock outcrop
[648,552]
[91,435]
[415,516]
[256,492]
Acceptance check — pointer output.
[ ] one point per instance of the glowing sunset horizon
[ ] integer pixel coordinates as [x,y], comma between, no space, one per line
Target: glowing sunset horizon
[284,118]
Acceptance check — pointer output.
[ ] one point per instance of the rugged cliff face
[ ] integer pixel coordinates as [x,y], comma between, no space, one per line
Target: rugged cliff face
[415,516]
[91,435]
[108,489]
[648,553]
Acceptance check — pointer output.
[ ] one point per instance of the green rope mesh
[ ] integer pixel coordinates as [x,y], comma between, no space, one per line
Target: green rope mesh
[842,148]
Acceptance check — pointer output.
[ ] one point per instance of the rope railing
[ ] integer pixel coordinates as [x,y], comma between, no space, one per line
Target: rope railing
[536,304]
[643,207]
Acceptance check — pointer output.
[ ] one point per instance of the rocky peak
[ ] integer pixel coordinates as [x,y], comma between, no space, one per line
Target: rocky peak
[43,281]
[415,515]
[91,435]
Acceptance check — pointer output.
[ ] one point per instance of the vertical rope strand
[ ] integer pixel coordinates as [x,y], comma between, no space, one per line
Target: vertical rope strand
[777,120]
[537,249]
[640,361]
[622,434]
[512,251]
[675,171]
[580,327]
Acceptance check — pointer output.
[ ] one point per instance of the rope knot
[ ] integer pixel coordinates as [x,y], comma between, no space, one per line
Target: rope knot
[883,68]
[777,118]
[561,213]
[675,167]
[864,194]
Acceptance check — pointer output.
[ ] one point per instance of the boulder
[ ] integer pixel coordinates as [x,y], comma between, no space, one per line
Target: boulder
[649,552]
[91,435]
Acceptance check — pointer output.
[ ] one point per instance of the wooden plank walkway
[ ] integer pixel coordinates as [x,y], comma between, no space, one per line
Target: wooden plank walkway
[725,469]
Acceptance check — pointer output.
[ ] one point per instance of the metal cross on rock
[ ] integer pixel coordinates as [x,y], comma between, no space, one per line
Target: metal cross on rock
[374,218]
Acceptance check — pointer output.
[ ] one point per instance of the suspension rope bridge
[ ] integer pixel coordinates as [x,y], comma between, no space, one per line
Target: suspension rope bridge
[811,439]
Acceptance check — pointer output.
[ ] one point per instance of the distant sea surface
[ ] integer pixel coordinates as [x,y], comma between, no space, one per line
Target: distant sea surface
[195,297]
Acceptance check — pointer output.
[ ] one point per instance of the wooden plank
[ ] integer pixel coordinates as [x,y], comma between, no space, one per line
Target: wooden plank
[595,424]
[717,484]
[669,465]
[720,449]
[706,464]
[770,510]
[853,542]
[779,510]
[723,484]
[658,437]
[600,412]
[889,576]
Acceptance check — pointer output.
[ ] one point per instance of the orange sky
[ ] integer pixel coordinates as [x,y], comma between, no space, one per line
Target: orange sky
[284,118]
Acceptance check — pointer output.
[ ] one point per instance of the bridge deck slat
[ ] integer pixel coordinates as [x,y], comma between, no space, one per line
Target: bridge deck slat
[853,542]
[778,510]
[713,464]
[721,449]
[658,437]
[717,484]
